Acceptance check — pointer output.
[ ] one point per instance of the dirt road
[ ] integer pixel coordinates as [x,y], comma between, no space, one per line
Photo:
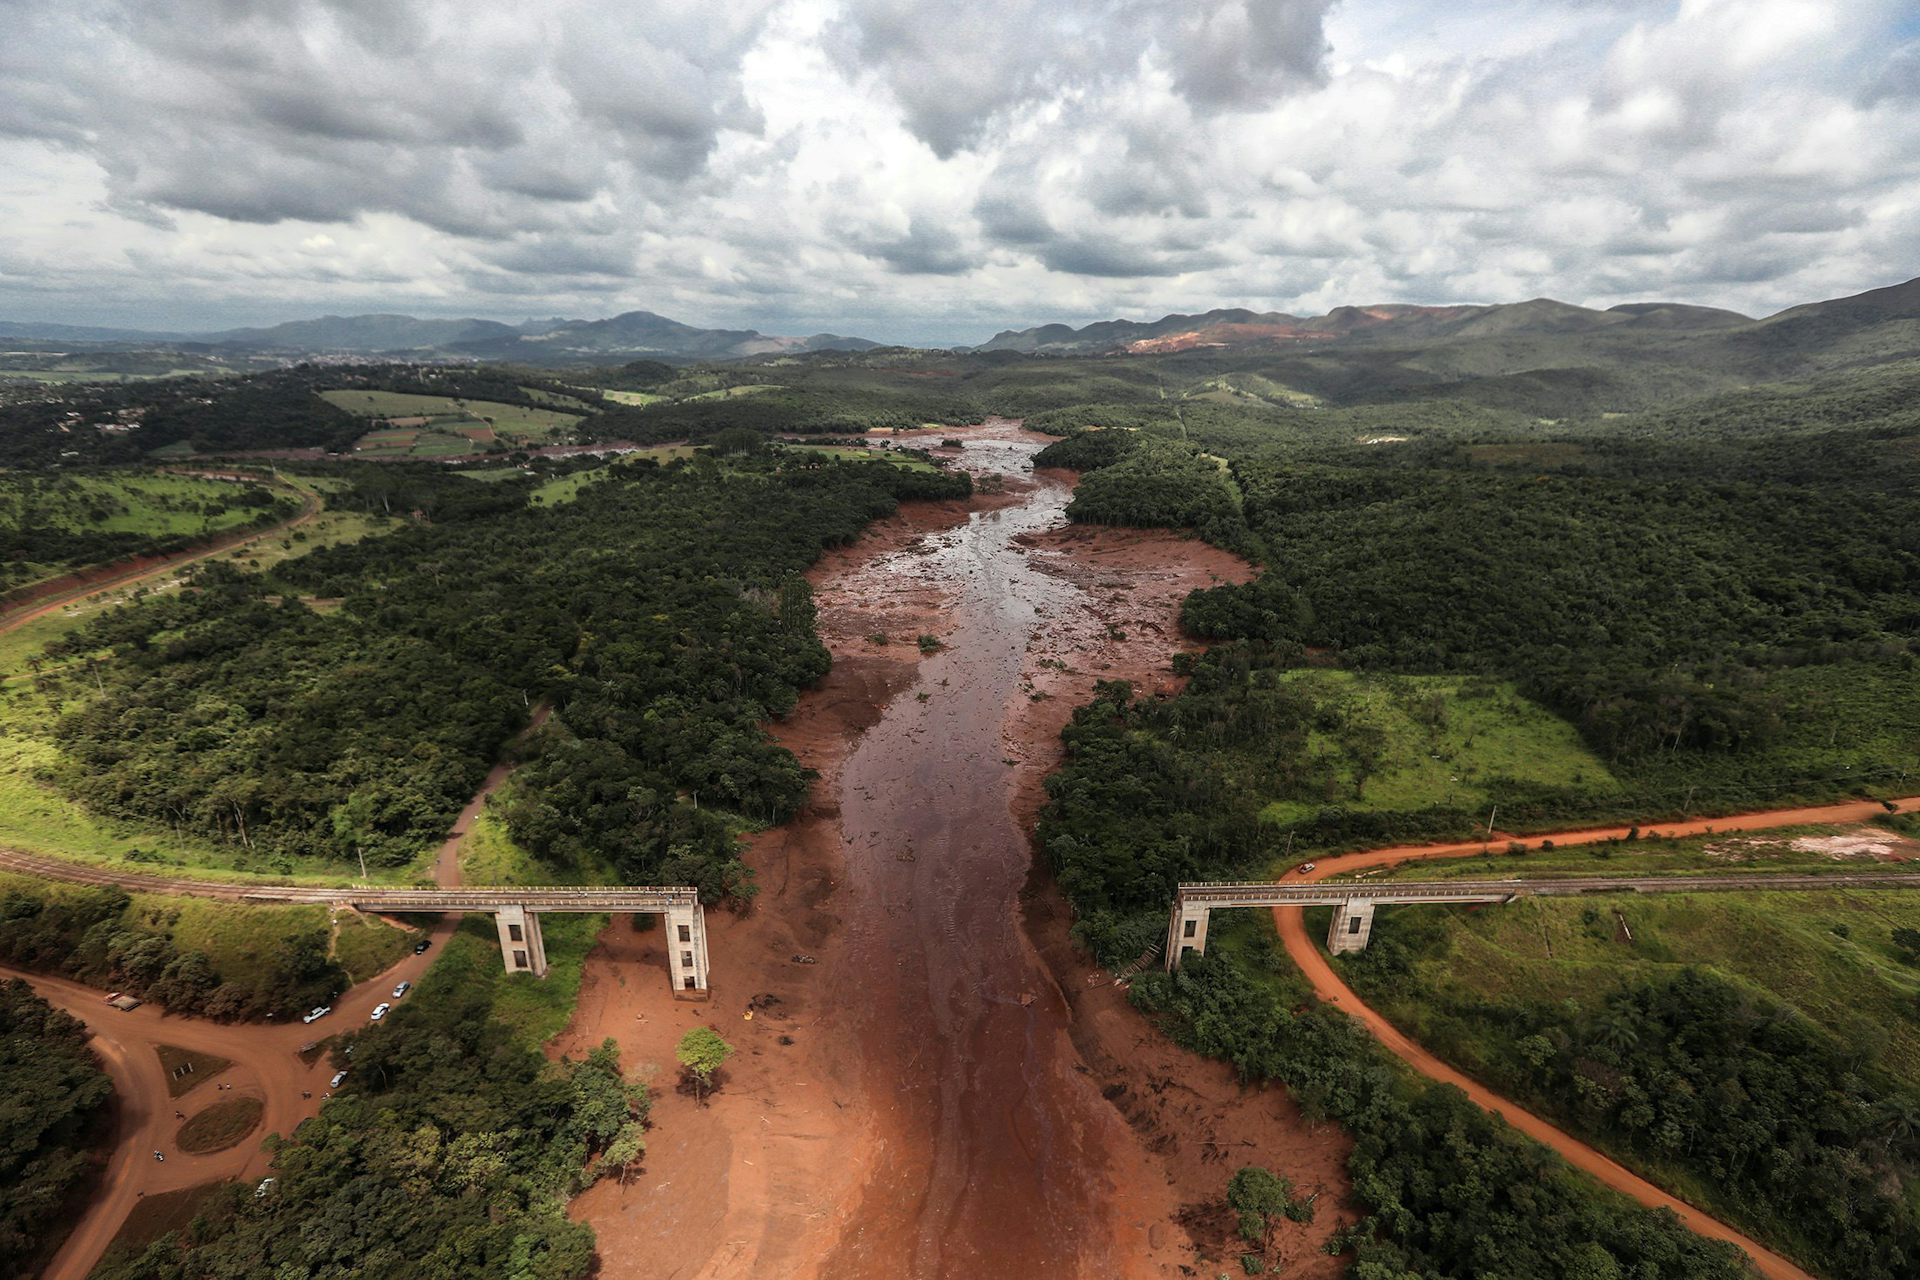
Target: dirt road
[266,1066]
[266,1059]
[1314,963]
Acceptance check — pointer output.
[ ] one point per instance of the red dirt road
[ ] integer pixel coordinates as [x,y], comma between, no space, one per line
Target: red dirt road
[265,1057]
[266,1066]
[1314,963]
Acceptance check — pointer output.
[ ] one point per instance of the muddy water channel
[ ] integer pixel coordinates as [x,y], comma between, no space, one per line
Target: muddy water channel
[997,1152]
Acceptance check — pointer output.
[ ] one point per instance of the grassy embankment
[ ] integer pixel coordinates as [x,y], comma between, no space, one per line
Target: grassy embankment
[241,939]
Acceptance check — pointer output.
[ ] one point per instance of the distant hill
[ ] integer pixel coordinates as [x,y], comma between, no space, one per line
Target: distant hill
[80,333]
[633,335]
[369,334]
[641,334]
[1394,323]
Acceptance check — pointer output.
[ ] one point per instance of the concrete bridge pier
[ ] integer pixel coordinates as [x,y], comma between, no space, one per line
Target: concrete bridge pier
[687,948]
[1352,926]
[1186,931]
[520,943]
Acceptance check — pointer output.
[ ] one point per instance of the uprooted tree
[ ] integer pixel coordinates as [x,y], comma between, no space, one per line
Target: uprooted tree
[1265,1200]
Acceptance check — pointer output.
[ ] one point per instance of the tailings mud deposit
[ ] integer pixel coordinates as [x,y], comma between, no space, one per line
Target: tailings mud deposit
[923,1084]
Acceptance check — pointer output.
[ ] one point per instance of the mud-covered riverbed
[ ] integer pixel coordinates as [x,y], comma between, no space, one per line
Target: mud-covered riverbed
[946,1090]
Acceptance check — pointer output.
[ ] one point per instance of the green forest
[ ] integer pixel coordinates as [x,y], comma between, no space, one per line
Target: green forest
[661,614]
[1753,1107]
[54,1113]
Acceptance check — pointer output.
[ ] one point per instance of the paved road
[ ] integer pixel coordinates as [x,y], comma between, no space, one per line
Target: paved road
[1319,971]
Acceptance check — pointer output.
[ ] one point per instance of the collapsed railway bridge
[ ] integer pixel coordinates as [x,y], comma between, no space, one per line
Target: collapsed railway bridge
[516,909]
[1353,901]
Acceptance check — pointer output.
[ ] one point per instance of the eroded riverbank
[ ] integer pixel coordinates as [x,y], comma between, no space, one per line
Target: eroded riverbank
[942,1092]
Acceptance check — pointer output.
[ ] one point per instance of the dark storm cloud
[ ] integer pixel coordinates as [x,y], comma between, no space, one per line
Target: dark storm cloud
[301,109]
[1116,258]
[957,69]
[924,250]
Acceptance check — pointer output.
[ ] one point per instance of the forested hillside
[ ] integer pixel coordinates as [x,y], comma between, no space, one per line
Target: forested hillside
[661,614]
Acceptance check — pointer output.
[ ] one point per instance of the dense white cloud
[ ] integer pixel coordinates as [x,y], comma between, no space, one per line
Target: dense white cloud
[932,171]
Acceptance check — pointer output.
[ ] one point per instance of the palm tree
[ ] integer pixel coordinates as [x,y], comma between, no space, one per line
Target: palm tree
[1617,1032]
[1896,1119]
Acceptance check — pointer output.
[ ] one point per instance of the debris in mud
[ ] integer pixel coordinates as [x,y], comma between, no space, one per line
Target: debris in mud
[800,959]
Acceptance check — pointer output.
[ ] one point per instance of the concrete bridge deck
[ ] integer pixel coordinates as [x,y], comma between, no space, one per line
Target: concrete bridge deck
[1354,900]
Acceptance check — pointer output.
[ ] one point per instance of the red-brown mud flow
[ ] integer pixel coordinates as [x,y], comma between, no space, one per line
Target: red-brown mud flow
[997,1149]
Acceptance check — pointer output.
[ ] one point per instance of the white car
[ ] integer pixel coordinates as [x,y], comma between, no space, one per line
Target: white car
[266,1185]
[338,1076]
[318,1013]
[402,989]
[379,1011]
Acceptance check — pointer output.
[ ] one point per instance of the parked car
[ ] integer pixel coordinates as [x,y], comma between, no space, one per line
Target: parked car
[266,1185]
[338,1076]
[1305,867]
[318,1013]
[422,945]
[402,989]
[379,1011]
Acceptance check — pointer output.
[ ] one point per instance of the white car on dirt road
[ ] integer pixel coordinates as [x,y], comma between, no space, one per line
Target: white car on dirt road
[379,1011]
[318,1013]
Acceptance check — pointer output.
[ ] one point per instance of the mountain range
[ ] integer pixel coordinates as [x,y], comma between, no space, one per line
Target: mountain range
[632,335]
[1863,324]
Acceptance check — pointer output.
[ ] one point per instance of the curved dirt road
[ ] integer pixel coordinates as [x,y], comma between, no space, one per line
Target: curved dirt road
[266,1065]
[1319,971]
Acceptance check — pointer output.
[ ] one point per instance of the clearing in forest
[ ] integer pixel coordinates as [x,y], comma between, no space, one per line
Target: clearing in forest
[444,426]
[1405,743]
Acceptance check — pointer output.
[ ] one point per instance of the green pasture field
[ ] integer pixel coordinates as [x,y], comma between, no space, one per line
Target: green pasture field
[365,945]
[490,855]
[567,487]
[1828,954]
[554,400]
[329,528]
[37,818]
[1441,741]
[733,393]
[239,938]
[634,397]
[156,504]
[853,453]
[448,413]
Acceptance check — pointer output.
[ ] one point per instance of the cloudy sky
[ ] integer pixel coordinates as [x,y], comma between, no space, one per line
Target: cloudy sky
[929,171]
